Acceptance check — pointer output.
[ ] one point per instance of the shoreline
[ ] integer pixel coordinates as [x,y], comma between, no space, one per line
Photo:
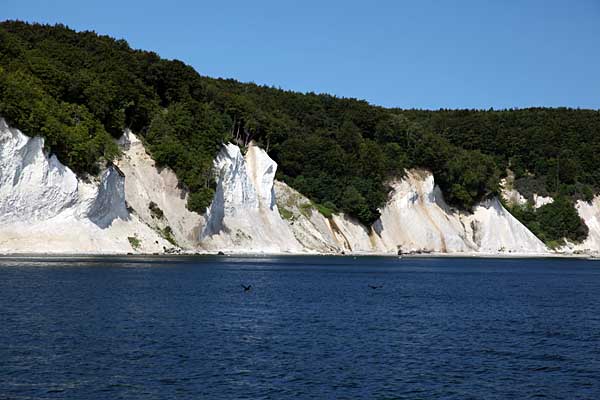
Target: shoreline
[591,257]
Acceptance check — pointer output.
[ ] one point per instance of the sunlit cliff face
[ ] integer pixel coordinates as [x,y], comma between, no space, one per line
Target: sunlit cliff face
[45,207]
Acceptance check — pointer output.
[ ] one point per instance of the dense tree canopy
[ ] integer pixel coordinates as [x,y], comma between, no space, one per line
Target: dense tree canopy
[80,90]
[556,146]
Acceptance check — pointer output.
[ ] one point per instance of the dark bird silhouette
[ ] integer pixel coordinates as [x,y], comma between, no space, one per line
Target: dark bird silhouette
[375,286]
[247,288]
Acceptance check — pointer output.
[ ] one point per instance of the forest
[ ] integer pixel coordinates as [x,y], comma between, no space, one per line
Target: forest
[79,90]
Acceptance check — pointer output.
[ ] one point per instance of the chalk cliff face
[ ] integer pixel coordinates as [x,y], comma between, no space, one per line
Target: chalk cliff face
[45,208]
[243,215]
[154,195]
[336,234]
[33,187]
[496,231]
[416,218]
[590,214]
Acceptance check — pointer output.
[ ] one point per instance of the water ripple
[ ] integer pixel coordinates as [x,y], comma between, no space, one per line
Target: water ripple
[181,327]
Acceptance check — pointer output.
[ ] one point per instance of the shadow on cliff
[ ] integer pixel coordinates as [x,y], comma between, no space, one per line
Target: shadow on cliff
[109,203]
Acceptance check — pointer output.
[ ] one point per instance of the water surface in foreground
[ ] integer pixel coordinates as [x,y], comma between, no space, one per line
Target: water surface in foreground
[156,328]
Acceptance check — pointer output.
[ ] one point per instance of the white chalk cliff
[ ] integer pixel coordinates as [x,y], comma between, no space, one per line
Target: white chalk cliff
[319,234]
[46,208]
[590,214]
[149,188]
[416,218]
[243,215]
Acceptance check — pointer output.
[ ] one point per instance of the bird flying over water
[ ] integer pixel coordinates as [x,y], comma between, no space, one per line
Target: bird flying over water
[375,286]
[247,288]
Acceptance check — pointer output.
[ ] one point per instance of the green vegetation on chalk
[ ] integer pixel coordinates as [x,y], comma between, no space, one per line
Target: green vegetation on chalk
[134,242]
[167,234]
[285,213]
[306,209]
[155,210]
[79,90]
[552,222]
[326,210]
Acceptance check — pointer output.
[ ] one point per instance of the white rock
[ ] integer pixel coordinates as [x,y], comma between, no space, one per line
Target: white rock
[337,234]
[496,231]
[539,201]
[355,237]
[509,193]
[308,226]
[243,216]
[416,218]
[33,187]
[590,213]
[45,208]
[145,183]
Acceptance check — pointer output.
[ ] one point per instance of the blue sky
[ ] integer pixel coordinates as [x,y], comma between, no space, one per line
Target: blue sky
[421,54]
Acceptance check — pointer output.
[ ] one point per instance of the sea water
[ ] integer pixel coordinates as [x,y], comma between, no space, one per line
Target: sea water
[309,327]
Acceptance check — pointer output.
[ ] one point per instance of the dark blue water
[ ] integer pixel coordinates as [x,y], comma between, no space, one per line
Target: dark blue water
[158,328]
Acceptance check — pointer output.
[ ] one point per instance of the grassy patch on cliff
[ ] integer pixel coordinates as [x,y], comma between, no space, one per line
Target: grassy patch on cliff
[285,213]
[167,234]
[134,242]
